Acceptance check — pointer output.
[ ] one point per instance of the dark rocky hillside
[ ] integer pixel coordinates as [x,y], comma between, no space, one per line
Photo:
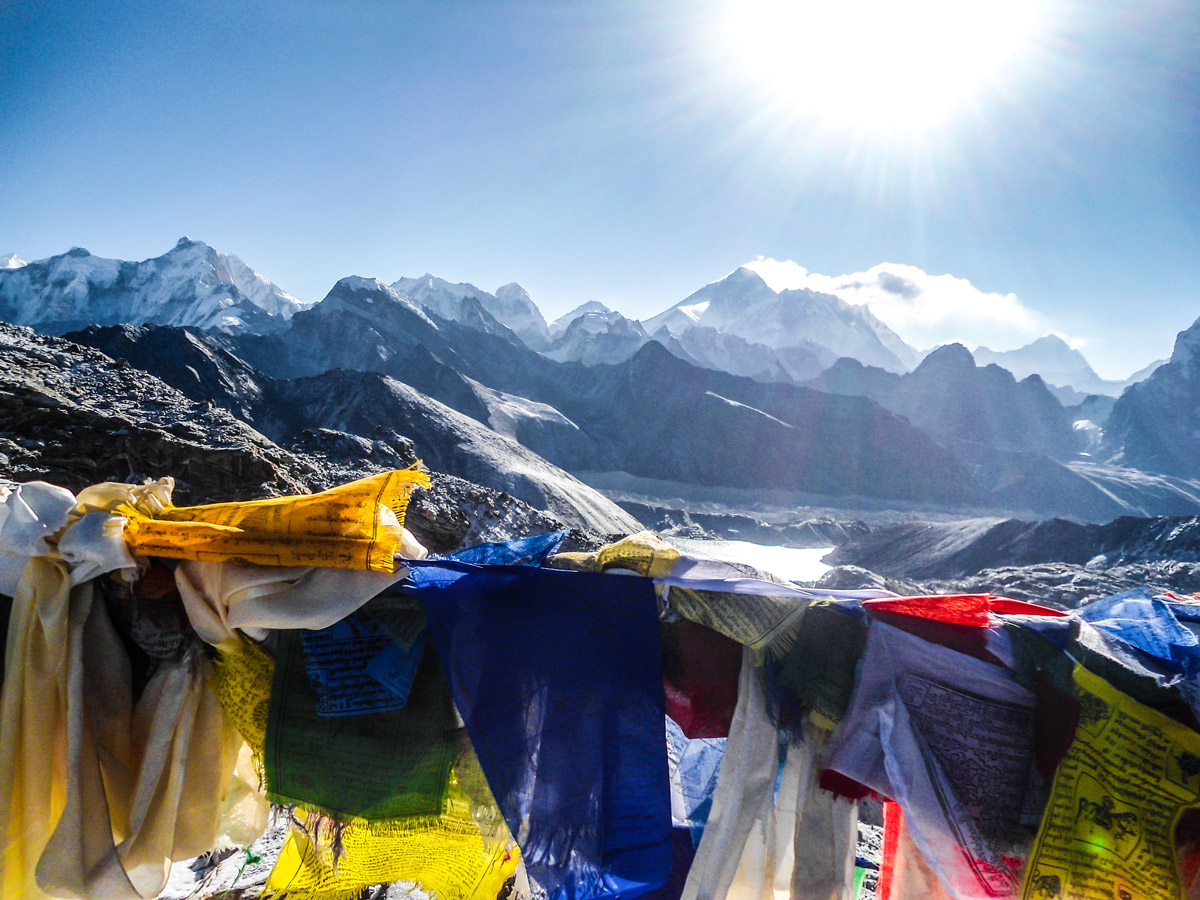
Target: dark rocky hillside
[653,415]
[370,410]
[923,550]
[1155,424]
[74,416]
[952,398]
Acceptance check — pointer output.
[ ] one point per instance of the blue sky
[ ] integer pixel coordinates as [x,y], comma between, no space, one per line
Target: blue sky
[616,151]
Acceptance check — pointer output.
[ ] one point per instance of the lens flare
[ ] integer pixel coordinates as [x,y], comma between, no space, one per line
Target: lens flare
[877,64]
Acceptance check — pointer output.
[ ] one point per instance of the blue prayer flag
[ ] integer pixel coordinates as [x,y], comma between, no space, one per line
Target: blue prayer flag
[558,678]
[526,551]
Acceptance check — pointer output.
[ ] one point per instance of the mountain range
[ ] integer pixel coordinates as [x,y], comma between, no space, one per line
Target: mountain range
[1061,366]
[738,324]
[736,387]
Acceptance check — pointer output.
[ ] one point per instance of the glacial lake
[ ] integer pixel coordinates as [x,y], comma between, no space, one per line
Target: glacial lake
[796,564]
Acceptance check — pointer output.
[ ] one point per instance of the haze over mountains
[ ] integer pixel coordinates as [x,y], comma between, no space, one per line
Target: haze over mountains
[735,388]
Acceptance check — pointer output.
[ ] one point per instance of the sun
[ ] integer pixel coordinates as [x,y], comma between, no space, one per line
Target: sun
[873,65]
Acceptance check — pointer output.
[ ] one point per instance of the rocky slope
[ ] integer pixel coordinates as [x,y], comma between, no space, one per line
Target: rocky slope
[658,417]
[816,531]
[74,416]
[923,550]
[371,412]
[950,397]
[1058,585]
[363,403]
[1155,424]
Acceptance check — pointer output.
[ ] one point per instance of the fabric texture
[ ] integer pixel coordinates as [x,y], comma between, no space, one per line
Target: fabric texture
[105,788]
[527,551]
[817,674]
[353,526]
[1157,627]
[772,831]
[354,667]
[224,600]
[558,679]
[700,678]
[950,738]
[753,611]
[905,874]
[644,553]
[244,673]
[744,797]
[381,765]
[694,766]
[446,856]
[1118,796]
[29,514]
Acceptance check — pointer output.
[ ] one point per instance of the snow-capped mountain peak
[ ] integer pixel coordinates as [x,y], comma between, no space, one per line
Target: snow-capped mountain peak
[359,284]
[260,290]
[511,305]
[11,261]
[363,293]
[515,308]
[513,293]
[592,307]
[1047,354]
[437,295]
[743,304]
[191,284]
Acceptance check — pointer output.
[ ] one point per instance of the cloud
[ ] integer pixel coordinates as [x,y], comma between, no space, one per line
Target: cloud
[925,310]
[779,274]
[1075,343]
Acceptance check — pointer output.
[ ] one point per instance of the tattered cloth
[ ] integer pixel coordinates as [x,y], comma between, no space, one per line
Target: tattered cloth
[558,678]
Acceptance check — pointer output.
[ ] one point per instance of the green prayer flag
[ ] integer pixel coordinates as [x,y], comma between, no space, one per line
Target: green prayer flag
[381,765]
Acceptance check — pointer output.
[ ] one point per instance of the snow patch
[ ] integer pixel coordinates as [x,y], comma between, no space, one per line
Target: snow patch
[750,408]
[506,412]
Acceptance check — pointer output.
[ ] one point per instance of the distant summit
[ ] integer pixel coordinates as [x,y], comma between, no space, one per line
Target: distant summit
[511,305]
[743,304]
[1058,364]
[957,401]
[189,285]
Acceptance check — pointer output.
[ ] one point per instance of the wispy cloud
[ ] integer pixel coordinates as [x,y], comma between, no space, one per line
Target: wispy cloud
[924,309]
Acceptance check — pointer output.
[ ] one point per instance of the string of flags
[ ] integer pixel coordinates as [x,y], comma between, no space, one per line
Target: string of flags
[511,719]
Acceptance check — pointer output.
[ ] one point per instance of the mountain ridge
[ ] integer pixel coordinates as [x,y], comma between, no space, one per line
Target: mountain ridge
[190,284]
[662,406]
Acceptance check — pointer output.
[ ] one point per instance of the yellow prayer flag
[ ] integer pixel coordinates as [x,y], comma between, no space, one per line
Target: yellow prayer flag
[354,526]
[1108,830]
[645,553]
[446,857]
[244,673]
